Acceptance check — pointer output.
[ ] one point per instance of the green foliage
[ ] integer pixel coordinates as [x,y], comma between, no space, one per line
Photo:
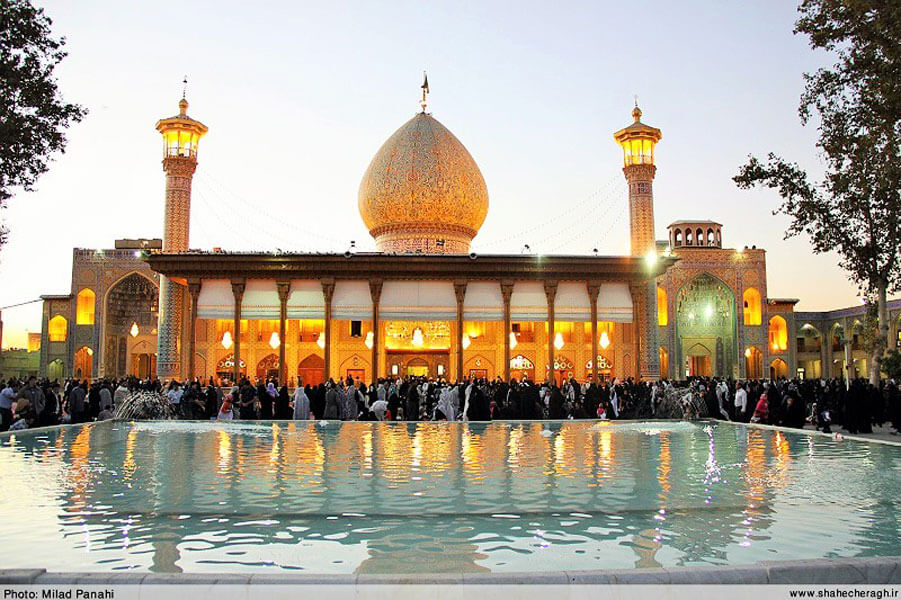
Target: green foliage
[856,209]
[33,114]
[891,364]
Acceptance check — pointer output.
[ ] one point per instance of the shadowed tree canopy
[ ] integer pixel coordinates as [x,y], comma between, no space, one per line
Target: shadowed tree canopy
[33,114]
[855,210]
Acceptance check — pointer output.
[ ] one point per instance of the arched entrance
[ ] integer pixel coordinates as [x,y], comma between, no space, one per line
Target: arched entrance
[417,367]
[225,368]
[268,367]
[55,370]
[563,369]
[130,321]
[778,369]
[311,370]
[143,360]
[753,363]
[84,367]
[706,327]
[522,368]
[698,361]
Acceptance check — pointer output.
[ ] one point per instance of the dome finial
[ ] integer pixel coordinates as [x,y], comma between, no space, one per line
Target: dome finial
[183,103]
[636,112]
[425,90]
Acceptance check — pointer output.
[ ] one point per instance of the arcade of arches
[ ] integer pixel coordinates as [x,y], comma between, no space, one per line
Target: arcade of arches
[410,348]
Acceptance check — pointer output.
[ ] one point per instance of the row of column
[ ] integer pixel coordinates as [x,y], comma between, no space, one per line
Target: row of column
[375,290]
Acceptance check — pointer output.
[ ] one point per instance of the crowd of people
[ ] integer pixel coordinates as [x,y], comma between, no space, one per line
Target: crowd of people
[792,403]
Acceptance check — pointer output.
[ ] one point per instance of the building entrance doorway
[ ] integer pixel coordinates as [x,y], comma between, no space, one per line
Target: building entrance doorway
[143,365]
[418,367]
[425,363]
[698,361]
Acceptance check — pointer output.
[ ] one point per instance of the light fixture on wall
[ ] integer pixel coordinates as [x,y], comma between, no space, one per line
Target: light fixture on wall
[134,331]
[604,341]
[227,340]
[558,341]
[418,340]
[466,341]
[370,338]
[90,351]
[274,341]
[747,353]
[394,369]
[513,340]
[440,370]
[321,340]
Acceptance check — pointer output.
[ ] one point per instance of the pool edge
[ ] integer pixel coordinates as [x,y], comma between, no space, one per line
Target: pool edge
[877,570]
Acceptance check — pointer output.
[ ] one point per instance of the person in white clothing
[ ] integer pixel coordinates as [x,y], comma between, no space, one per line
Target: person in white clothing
[741,402]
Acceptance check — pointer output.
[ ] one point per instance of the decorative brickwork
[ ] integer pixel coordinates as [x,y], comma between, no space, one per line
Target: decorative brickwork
[176,228]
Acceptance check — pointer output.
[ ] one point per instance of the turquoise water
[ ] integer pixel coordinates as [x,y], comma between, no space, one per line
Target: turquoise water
[311,497]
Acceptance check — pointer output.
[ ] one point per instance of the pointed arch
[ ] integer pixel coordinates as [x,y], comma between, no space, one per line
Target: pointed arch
[85,303]
[777,332]
[57,329]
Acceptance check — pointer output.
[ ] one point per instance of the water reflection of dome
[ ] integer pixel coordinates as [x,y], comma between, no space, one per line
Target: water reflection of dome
[423,192]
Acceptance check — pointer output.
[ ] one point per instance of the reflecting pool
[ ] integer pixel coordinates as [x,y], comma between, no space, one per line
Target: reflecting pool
[315,497]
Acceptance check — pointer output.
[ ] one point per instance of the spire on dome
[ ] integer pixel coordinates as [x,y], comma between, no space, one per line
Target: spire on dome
[425,90]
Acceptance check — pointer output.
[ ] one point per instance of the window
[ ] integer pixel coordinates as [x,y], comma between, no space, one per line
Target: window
[356,328]
[84,307]
[751,312]
[662,316]
[56,329]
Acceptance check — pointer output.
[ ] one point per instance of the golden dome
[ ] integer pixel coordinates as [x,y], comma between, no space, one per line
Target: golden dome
[423,192]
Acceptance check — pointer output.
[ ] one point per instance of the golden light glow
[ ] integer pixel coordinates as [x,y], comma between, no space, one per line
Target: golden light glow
[751,312]
[370,339]
[181,133]
[90,351]
[134,331]
[274,341]
[778,334]
[84,307]
[321,340]
[747,353]
[558,341]
[604,341]
[513,340]
[227,340]
[662,315]
[638,141]
[466,341]
[57,329]
[650,258]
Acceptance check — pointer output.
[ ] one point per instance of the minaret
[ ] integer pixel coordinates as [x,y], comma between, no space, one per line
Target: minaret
[181,135]
[638,141]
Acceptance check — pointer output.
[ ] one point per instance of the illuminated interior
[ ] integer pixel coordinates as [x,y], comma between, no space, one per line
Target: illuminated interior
[57,328]
[753,363]
[778,334]
[662,316]
[84,307]
[751,312]
[84,363]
